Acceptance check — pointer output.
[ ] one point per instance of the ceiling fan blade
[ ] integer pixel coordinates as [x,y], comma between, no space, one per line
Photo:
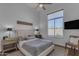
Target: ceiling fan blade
[37,5]
[42,5]
[44,8]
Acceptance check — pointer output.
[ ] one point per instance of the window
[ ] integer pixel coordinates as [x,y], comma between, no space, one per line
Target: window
[55,23]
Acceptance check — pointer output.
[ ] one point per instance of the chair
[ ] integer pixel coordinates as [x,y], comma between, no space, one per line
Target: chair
[73,45]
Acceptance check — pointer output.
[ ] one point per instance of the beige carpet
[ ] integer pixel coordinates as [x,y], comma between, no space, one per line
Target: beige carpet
[59,51]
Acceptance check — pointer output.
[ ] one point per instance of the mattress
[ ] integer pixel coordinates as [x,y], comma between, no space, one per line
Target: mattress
[37,46]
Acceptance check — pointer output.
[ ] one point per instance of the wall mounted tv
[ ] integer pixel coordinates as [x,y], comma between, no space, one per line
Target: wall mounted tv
[71,24]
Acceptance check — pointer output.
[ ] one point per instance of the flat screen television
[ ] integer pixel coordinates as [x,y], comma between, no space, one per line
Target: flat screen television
[71,24]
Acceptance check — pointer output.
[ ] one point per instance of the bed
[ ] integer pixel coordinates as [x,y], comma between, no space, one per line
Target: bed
[36,47]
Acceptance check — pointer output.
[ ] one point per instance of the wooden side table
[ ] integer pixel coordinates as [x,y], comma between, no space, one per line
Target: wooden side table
[9,45]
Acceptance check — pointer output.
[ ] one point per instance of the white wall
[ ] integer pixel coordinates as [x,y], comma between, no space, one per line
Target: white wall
[71,12]
[10,13]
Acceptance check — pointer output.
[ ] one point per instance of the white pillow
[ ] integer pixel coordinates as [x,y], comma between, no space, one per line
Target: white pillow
[74,40]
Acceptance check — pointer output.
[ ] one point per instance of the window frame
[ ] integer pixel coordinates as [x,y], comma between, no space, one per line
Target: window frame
[54,22]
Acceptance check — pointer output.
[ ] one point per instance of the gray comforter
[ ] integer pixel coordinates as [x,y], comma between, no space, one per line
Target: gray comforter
[37,46]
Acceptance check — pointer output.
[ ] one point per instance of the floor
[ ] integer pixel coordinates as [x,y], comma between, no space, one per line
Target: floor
[59,51]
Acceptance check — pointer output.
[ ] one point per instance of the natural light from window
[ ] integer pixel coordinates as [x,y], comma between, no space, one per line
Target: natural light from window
[55,23]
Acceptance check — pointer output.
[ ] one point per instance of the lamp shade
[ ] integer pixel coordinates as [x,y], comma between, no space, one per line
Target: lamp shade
[36,27]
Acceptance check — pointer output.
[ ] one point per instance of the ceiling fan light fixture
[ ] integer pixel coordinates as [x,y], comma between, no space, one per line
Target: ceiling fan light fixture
[41,5]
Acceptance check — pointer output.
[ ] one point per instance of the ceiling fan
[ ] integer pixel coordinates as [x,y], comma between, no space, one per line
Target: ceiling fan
[42,5]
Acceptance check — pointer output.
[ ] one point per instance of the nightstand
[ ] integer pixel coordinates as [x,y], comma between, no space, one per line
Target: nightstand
[9,45]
